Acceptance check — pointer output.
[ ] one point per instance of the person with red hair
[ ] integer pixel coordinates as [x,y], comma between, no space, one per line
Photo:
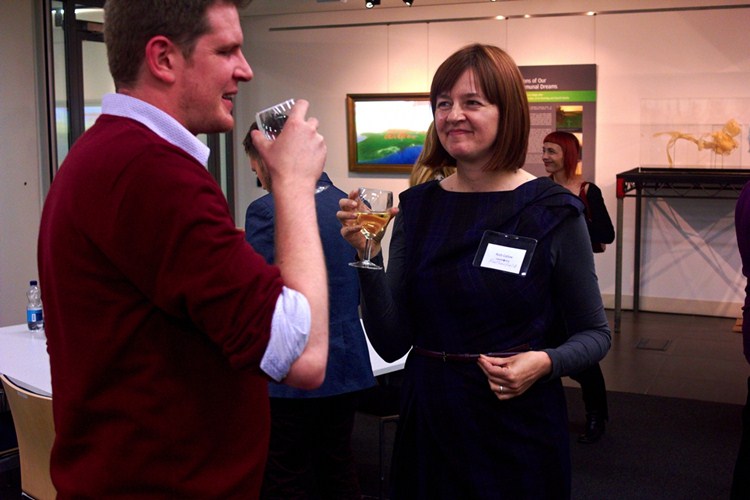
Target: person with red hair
[561,152]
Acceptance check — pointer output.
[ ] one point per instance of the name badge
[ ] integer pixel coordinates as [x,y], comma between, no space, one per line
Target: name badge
[505,252]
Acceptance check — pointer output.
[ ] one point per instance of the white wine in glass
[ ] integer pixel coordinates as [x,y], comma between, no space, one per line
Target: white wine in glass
[373,214]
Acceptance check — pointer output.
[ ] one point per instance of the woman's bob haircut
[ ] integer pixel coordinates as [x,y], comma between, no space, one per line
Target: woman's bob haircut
[502,84]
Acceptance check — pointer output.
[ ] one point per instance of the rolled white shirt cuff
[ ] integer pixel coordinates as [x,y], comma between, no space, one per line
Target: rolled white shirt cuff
[290,331]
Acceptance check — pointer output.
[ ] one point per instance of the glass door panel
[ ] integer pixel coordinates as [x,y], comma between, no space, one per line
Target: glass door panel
[81,78]
[96,80]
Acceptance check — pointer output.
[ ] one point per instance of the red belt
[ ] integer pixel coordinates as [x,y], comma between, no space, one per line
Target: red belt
[467,357]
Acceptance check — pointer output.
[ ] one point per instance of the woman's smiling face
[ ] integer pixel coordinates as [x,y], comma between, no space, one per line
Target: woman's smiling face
[553,158]
[467,123]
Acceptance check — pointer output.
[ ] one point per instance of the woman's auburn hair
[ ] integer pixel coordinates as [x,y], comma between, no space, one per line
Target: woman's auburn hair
[502,84]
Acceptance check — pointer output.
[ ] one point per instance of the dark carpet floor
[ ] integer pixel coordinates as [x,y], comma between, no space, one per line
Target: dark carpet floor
[654,448]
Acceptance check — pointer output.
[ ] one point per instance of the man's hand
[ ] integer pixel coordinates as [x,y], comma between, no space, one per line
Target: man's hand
[297,155]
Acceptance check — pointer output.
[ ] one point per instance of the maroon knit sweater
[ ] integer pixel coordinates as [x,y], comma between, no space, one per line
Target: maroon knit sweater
[157,316]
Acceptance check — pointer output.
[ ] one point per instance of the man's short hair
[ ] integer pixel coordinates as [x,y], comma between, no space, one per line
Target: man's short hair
[248,143]
[130,24]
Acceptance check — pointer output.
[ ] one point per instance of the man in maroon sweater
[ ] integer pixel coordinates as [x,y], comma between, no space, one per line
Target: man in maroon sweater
[163,325]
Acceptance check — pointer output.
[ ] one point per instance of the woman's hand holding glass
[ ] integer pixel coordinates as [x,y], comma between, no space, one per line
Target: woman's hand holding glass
[364,217]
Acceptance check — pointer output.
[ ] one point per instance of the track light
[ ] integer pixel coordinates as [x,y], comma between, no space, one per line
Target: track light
[371,3]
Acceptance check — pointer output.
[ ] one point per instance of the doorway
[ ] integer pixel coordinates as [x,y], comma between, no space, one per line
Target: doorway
[78,77]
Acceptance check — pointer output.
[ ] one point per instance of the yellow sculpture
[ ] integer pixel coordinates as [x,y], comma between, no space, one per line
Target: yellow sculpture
[721,142]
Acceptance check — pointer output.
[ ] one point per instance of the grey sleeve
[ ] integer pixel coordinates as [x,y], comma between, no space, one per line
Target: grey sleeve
[576,289]
[387,327]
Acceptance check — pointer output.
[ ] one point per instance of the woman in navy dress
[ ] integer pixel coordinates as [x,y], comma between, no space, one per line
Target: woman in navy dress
[490,282]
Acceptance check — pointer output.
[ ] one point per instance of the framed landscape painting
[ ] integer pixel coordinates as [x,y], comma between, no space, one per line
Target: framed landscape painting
[385,132]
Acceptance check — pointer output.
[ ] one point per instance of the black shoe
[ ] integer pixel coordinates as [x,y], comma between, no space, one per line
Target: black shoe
[594,429]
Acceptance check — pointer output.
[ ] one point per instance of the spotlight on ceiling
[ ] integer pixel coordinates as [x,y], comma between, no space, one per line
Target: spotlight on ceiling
[409,2]
[371,3]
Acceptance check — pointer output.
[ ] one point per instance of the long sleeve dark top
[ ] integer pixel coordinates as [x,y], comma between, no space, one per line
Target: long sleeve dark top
[575,285]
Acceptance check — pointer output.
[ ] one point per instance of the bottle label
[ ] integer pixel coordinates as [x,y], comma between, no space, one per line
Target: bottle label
[34,315]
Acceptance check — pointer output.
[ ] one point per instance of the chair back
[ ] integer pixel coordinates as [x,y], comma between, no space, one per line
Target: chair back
[35,429]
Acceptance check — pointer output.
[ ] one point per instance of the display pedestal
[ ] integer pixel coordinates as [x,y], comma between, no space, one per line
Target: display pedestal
[663,182]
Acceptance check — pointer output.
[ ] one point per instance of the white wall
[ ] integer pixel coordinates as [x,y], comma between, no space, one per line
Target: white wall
[690,261]
[20,170]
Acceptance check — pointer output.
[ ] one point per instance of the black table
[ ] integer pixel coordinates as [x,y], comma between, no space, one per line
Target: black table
[663,182]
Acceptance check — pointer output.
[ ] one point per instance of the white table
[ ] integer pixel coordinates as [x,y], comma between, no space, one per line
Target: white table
[379,365]
[24,358]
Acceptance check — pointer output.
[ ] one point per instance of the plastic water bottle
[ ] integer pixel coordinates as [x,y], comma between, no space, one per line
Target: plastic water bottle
[34,315]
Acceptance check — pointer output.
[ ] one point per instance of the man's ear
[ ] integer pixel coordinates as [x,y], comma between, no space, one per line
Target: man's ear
[161,58]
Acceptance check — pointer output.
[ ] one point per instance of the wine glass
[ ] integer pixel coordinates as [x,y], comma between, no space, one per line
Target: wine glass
[373,214]
[271,120]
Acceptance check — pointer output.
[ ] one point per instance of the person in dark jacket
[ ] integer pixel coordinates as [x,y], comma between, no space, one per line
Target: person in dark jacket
[310,454]
[741,481]
[561,154]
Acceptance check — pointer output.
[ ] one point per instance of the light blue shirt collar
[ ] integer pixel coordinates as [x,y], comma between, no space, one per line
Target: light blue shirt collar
[158,122]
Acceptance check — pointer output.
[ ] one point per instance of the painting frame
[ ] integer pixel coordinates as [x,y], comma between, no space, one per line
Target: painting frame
[396,135]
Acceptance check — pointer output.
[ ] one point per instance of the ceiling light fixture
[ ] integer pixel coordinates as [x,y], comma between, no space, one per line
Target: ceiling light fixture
[409,2]
[371,3]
